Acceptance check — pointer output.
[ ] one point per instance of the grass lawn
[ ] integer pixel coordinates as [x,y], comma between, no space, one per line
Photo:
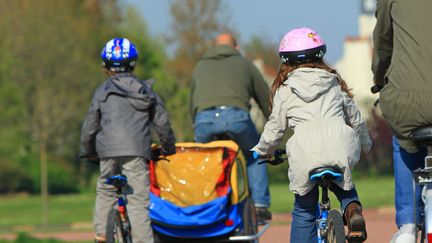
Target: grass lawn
[373,193]
[26,238]
[23,212]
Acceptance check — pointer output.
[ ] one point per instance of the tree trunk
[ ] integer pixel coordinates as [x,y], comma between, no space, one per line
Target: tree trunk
[44,182]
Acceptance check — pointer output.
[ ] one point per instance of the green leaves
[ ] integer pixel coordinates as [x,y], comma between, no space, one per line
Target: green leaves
[49,67]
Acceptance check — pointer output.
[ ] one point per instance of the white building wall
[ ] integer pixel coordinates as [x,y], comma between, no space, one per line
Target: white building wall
[355,64]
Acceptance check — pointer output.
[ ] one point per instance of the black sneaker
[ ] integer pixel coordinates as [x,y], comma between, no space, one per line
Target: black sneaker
[263,214]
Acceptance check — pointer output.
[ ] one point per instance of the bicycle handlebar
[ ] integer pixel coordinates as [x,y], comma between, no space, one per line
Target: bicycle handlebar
[277,158]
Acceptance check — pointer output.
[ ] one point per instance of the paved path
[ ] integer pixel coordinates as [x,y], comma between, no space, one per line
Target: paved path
[379,223]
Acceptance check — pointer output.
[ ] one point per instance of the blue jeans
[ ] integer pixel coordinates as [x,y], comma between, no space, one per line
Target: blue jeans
[305,212]
[404,164]
[238,123]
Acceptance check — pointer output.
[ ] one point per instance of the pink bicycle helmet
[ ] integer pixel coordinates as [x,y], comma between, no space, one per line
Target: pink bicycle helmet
[301,45]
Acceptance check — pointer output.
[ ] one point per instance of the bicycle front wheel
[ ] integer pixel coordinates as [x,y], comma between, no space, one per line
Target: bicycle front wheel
[335,227]
[250,224]
[115,232]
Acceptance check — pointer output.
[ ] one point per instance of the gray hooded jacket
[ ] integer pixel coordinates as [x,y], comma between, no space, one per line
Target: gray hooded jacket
[328,127]
[119,119]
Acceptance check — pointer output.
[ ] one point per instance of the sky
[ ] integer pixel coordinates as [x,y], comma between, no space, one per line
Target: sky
[334,20]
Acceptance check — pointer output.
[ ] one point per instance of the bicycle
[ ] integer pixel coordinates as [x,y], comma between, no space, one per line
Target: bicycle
[330,225]
[118,227]
[330,222]
[423,176]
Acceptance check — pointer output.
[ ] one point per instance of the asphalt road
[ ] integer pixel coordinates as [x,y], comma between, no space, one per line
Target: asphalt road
[379,224]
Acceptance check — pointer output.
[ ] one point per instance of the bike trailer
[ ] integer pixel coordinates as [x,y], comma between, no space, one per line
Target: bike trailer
[202,192]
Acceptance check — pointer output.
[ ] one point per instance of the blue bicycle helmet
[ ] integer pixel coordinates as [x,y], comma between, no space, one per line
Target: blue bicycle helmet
[119,55]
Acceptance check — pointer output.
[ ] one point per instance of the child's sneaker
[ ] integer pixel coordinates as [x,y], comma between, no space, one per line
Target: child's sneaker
[406,234]
[356,223]
[100,239]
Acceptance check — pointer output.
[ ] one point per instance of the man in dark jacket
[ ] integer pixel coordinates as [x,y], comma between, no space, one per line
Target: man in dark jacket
[222,84]
[402,67]
[117,131]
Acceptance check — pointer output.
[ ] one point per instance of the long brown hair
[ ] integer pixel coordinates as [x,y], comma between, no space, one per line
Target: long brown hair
[287,68]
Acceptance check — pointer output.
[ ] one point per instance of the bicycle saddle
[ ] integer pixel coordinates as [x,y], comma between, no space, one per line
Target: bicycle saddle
[117,180]
[422,135]
[332,172]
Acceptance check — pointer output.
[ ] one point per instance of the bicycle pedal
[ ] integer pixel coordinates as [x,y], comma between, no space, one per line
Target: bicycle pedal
[356,241]
[263,222]
[356,237]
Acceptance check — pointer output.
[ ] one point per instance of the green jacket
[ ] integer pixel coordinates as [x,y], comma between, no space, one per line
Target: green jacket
[224,77]
[402,62]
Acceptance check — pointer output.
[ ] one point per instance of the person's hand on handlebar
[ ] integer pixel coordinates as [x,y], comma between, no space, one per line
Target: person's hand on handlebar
[378,85]
[92,159]
[256,155]
[159,153]
[275,159]
[376,88]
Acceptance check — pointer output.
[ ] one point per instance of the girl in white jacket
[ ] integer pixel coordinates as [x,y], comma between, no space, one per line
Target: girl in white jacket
[312,99]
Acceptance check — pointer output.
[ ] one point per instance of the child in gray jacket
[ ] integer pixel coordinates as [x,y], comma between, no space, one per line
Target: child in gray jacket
[116,130]
[312,99]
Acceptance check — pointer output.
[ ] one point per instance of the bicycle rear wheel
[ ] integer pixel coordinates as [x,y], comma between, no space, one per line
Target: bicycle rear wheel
[114,230]
[335,227]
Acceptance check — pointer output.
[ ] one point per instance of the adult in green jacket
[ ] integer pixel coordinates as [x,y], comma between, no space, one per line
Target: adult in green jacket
[223,82]
[402,67]
[224,77]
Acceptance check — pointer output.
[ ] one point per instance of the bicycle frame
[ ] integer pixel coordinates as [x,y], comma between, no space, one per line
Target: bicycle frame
[119,182]
[427,197]
[121,202]
[422,136]
[324,208]
[424,177]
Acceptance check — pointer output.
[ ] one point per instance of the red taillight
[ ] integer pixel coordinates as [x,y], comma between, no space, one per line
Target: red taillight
[429,237]
[121,209]
[229,222]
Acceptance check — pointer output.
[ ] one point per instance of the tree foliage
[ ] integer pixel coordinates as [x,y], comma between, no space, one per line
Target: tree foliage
[48,73]
[379,160]
[50,67]
[194,24]
[259,48]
